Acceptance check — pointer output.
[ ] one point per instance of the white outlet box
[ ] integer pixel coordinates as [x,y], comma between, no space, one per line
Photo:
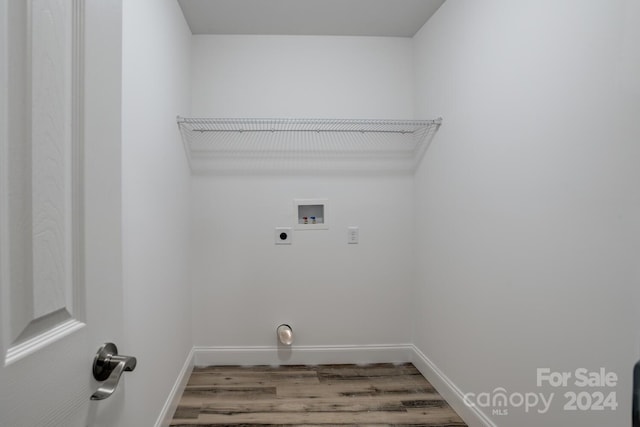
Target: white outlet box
[283,235]
[311,214]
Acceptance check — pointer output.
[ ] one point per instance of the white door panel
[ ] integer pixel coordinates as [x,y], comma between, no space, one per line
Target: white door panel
[60,241]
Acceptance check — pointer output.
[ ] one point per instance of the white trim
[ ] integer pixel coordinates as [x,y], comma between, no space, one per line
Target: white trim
[473,416]
[302,355]
[51,335]
[78,302]
[4,172]
[166,414]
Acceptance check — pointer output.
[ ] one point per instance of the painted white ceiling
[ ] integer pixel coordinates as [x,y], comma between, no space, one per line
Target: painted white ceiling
[390,18]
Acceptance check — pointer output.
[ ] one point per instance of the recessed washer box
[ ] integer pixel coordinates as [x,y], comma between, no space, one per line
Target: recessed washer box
[311,214]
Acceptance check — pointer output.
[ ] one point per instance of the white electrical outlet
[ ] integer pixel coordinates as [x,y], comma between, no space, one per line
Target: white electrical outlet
[353,235]
[283,235]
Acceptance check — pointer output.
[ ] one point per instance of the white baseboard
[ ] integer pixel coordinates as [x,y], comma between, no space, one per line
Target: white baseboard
[473,416]
[302,355]
[166,415]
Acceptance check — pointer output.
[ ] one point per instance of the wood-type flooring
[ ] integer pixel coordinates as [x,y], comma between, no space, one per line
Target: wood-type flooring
[322,395]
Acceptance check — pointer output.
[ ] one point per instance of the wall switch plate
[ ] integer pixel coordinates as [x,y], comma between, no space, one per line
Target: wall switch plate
[283,235]
[353,235]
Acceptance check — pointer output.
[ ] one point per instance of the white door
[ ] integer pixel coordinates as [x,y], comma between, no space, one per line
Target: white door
[60,232]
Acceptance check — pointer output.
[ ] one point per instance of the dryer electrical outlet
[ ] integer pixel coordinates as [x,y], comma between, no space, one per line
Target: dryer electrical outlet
[283,235]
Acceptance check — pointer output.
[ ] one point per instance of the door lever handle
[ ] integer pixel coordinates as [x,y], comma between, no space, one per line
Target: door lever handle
[109,366]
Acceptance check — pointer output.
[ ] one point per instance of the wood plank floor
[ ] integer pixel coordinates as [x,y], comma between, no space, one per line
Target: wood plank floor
[323,395]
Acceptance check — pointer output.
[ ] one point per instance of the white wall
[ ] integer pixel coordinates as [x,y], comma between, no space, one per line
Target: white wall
[155,179]
[302,76]
[330,292]
[528,197]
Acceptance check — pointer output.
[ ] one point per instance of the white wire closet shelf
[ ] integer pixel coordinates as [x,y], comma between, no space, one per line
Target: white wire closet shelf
[235,145]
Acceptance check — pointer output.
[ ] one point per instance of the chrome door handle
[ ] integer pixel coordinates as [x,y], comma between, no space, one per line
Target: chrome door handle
[109,366]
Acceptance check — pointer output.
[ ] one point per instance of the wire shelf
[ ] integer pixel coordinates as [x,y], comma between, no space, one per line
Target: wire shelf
[216,145]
